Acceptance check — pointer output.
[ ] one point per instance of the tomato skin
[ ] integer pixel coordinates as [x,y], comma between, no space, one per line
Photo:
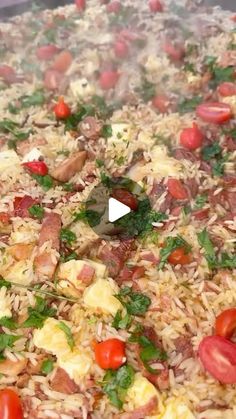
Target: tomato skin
[62,62]
[37,167]
[155,6]
[80,4]
[46,52]
[175,52]
[177,189]
[121,49]
[114,7]
[61,109]
[179,257]
[191,138]
[227,89]
[4,218]
[126,197]
[110,353]
[225,324]
[10,405]
[200,214]
[218,356]
[161,102]
[215,112]
[108,79]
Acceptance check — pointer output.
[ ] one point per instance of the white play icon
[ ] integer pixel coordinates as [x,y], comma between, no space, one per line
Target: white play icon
[116,210]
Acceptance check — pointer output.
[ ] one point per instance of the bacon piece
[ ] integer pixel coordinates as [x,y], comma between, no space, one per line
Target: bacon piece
[44,263]
[200,214]
[115,257]
[12,368]
[62,383]
[131,274]
[91,128]
[21,206]
[69,167]
[86,274]
[21,251]
[192,187]
[184,346]
[141,412]
[181,153]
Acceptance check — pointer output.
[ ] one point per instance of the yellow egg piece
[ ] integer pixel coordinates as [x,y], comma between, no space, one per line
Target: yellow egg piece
[77,363]
[100,296]
[51,338]
[142,391]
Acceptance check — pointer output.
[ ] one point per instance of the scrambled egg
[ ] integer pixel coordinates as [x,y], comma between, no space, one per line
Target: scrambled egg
[100,296]
[142,391]
[176,409]
[82,88]
[68,273]
[21,273]
[52,339]
[5,303]
[230,100]
[8,159]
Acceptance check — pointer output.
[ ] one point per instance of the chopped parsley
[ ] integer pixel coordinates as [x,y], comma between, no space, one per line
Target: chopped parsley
[71,123]
[67,235]
[99,163]
[69,337]
[189,105]
[224,261]
[116,383]
[38,314]
[214,151]
[10,127]
[135,303]
[4,283]
[147,90]
[8,322]
[93,218]
[171,244]
[211,151]
[66,257]
[120,322]
[36,211]
[219,74]
[120,160]
[6,341]
[45,181]
[47,366]
[106,131]
[149,351]
[200,201]
[36,99]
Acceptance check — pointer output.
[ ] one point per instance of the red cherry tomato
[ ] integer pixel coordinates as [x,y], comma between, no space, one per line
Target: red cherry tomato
[46,52]
[227,89]
[4,218]
[175,52]
[8,73]
[218,356]
[80,4]
[191,138]
[126,197]
[177,189]
[108,79]
[110,353]
[179,257]
[121,49]
[161,102]
[155,6]
[226,323]
[52,79]
[61,109]
[114,7]
[10,405]
[36,167]
[215,112]
[62,62]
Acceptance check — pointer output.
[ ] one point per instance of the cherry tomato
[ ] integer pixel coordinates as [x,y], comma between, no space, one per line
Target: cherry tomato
[121,49]
[175,52]
[227,89]
[62,62]
[4,218]
[155,6]
[61,109]
[52,79]
[218,356]
[226,323]
[191,138]
[46,52]
[110,353]
[177,189]
[179,257]
[126,197]
[215,112]
[10,405]
[36,167]
[161,102]
[108,79]
[80,4]
[114,7]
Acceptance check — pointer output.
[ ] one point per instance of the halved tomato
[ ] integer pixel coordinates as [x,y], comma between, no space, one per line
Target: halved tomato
[227,89]
[218,356]
[226,323]
[215,112]
[126,197]
[10,405]
[177,189]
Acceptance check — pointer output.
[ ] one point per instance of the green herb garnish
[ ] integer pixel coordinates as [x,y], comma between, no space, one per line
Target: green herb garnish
[120,322]
[135,303]
[38,314]
[116,383]
[8,322]
[45,181]
[69,337]
[36,211]
[67,236]
[171,244]
[106,131]
[47,366]
[6,341]
[189,105]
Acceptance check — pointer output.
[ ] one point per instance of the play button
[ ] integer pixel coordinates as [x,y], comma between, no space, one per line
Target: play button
[116,210]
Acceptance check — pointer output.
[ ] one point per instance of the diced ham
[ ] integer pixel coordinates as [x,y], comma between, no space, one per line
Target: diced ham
[143,411]
[231,199]
[150,257]
[181,153]
[69,167]
[86,274]
[115,257]
[62,383]
[21,206]
[192,187]
[200,214]
[91,127]
[131,274]
[45,263]
[184,346]
[160,380]
[20,251]
[230,144]
[12,368]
